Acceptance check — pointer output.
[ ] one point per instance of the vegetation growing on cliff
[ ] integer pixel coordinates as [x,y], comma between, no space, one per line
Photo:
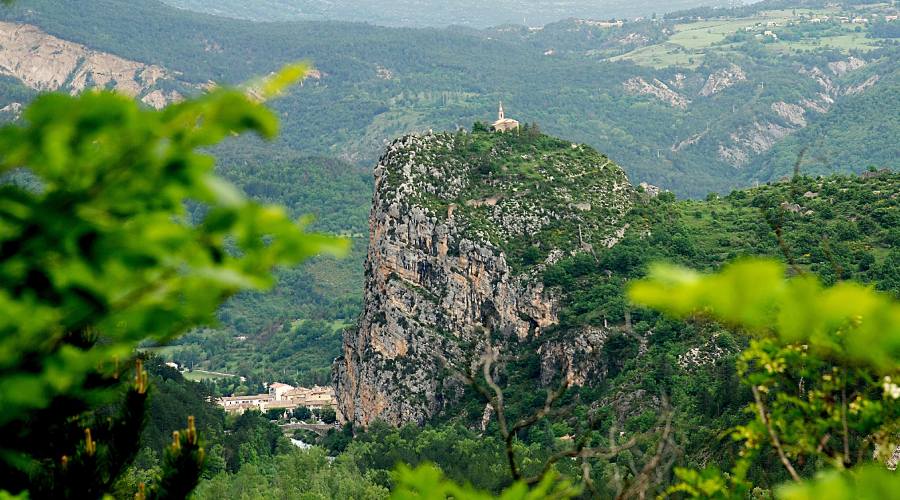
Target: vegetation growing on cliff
[377,83]
[835,227]
[524,192]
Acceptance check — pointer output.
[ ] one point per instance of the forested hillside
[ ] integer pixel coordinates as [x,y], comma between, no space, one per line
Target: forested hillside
[414,13]
[693,106]
[836,228]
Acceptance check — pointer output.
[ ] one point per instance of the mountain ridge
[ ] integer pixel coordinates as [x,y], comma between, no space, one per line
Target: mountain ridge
[584,82]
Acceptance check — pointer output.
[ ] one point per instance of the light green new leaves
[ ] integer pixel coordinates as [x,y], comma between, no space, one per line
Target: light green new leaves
[865,483]
[277,83]
[845,320]
[98,255]
[427,482]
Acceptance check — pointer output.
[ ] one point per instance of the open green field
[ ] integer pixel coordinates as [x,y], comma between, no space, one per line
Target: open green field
[662,55]
[688,45]
[846,42]
[198,375]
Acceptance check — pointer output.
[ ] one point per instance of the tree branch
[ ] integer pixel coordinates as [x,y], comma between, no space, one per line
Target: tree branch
[776,443]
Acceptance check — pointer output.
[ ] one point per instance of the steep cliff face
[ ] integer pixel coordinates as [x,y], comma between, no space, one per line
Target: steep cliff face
[461,227]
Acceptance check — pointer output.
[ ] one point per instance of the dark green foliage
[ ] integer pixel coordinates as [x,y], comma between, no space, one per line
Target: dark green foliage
[295,474]
[172,400]
[844,229]
[351,111]
[101,258]
[302,413]
[184,460]
[414,13]
[251,437]
[463,456]
[837,140]
[328,415]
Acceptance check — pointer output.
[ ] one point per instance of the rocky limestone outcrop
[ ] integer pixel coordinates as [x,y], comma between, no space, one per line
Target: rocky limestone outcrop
[791,113]
[12,110]
[690,141]
[47,63]
[832,90]
[437,280]
[824,81]
[840,68]
[863,86]
[818,107]
[657,89]
[722,79]
[579,361]
[753,139]
[702,355]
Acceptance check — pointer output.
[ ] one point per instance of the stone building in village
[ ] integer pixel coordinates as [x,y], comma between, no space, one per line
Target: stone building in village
[284,397]
[504,124]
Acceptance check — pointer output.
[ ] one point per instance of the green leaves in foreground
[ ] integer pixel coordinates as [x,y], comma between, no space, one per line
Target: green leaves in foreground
[822,365]
[847,320]
[427,482]
[97,255]
[866,483]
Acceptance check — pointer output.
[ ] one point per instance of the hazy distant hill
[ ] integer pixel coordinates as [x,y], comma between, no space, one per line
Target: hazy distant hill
[694,106]
[420,13]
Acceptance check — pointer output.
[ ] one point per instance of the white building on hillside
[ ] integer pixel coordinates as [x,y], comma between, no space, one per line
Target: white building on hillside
[277,390]
[504,124]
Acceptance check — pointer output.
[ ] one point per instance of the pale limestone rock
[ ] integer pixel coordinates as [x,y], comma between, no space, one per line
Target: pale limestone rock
[435,286]
[722,79]
[13,108]
[47,63]
[791,113]
[159,99]
[690,141]
[862,87]
[657,89]
[703,355]
[752,140]
[840,68]
[581,359]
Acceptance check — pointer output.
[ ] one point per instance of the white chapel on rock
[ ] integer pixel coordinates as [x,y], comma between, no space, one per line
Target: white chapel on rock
[504,124]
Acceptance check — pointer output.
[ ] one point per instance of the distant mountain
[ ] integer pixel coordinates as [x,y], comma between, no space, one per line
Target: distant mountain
[690,106]
[43,62]
[422,13]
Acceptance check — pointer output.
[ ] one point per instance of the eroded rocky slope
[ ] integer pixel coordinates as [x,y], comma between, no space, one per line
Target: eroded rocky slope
[46,63]
[460,229]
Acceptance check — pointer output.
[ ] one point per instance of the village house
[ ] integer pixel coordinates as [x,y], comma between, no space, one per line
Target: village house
[613,23]
[277,390]
[240,404]
[504,124]
[284,397]
[314,398]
